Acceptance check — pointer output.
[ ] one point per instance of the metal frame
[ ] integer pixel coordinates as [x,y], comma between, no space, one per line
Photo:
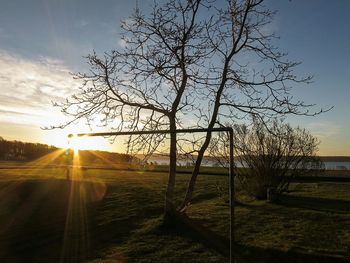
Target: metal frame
[231,174]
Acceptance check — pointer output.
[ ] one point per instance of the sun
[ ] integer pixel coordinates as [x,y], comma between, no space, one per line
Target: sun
[67,139]
[78,143]
[74,143]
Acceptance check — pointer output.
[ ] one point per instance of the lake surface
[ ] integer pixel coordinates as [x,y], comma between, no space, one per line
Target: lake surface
[337,165]
[210,162]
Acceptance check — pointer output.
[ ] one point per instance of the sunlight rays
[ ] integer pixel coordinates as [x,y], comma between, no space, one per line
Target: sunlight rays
[56,187]
[139,179]
[35,167]
[76,240]
[105,160]
[76,235]
[17,186]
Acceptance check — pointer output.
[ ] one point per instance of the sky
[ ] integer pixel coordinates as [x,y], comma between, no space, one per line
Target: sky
[43,41]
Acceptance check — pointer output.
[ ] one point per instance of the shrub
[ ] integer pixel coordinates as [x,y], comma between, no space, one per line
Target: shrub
[269,156]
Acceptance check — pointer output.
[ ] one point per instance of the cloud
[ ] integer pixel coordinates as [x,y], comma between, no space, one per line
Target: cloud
[27,88]
[324,130]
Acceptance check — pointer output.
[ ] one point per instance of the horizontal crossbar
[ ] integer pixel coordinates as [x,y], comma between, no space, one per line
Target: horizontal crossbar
[229,129]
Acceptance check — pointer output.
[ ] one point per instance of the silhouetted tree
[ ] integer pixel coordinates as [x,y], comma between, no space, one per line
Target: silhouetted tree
[199,60]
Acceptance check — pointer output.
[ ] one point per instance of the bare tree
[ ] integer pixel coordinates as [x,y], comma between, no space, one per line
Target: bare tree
[142,87]
[269,156]
[252,78]
[198,60]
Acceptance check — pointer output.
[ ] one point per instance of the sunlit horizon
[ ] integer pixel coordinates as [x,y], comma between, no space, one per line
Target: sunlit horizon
[174,131]
[37,66]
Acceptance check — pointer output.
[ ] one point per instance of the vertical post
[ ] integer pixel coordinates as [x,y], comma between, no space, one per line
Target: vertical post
[232,200]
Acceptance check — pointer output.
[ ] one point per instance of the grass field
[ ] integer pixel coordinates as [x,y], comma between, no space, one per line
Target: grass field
[116,216]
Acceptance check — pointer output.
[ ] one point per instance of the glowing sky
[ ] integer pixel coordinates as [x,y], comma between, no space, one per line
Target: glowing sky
[41,41]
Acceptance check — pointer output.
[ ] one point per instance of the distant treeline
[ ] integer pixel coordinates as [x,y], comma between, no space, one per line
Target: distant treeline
[102,157]
[24,151]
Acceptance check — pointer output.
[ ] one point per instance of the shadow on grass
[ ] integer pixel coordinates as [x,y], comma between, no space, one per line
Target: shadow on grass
[204,197]
[71,221]
[249,254]
[187,227]
[67,221]
[315,203]
[181,224]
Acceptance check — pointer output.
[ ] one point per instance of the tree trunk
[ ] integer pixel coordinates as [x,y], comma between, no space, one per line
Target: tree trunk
[169,194]
[195,173]
[205,145]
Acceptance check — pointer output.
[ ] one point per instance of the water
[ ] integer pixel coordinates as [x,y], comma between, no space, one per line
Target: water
[210,162]
[337,165]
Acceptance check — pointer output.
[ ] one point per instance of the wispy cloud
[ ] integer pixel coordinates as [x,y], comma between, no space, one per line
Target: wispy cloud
[324,130]
[27,88]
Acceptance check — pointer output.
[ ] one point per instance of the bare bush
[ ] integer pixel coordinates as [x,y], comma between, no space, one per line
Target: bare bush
[269,156]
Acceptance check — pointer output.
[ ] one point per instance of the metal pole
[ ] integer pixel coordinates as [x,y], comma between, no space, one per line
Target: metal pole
[148,132]
[232,201]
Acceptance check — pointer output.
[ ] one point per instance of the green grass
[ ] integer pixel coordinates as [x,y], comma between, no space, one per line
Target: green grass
[116,216]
